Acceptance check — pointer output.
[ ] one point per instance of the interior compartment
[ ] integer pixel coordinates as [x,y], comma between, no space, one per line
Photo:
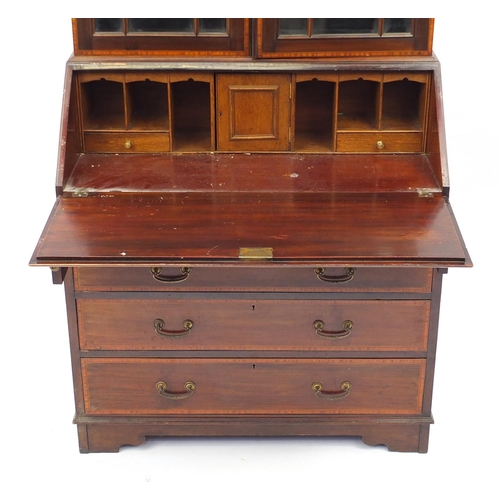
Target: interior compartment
[358,104]
[148,105]
[314,115]
[402,105]
[191,116]
[103,105]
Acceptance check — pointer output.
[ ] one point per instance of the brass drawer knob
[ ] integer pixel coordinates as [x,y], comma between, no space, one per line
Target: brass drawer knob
[380,145]
[128,144]
[347,325]
[345,387]
[156,272]
[343,278]
[159,326]
[161,387]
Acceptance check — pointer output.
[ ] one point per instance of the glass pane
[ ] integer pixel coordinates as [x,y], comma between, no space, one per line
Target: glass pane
[213,25]
[170,25]
[344,26]
[288,27]
[108,25]
[397,25]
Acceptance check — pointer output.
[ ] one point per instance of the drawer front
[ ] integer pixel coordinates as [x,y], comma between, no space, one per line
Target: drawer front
[126,142]
[379,142]
[223,386]
[341,325]
[271,279]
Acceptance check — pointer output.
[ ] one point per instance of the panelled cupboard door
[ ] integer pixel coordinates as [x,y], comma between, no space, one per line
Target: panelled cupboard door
[253,112]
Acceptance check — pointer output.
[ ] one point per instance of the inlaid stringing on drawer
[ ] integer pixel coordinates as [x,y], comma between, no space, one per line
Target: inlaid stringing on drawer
[249,278]
[234,324]
[124,386]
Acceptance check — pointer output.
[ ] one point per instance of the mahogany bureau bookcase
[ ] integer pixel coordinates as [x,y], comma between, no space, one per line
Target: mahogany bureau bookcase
[252,224]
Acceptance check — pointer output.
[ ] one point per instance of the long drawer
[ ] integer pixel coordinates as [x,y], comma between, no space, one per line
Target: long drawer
[254,278]
[235,324]
[224,386]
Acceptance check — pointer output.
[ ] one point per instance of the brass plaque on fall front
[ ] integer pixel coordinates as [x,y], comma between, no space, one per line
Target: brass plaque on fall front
[255,253]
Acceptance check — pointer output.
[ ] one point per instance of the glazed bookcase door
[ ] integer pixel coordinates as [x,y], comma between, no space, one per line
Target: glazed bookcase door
[162,36]
[278,38]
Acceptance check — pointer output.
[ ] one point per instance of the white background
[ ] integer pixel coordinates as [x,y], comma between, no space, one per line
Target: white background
[38,443]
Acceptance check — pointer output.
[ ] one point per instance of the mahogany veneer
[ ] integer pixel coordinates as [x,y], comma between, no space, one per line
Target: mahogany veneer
[104,173]
[201,227]
[252,247]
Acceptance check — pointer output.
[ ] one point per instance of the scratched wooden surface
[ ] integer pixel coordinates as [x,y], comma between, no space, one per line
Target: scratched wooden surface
[251,172]
[387,228]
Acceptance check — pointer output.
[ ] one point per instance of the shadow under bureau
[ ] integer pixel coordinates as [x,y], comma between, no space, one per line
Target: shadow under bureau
[253,245]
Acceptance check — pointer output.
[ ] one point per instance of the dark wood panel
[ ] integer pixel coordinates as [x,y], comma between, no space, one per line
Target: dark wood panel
[252,172]
[70,147]
[365,229]
[224,386]
[400,433]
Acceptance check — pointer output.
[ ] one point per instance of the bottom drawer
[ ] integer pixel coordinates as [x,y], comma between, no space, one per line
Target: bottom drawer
[117,386]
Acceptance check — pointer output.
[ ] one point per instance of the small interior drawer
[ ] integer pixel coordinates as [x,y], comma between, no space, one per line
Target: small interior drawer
[126,142]
[252,278]
[249,324]
[379,142]
[127,386]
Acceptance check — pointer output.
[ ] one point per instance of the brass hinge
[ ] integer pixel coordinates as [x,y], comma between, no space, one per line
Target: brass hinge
[255,253]
[80,193]
[425,193]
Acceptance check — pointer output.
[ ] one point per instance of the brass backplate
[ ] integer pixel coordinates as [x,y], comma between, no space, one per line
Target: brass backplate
[255,253]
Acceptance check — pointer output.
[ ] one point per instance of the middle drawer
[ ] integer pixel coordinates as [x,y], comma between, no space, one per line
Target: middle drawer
[341,325]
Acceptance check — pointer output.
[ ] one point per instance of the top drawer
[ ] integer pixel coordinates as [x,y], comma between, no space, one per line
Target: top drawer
[249,278]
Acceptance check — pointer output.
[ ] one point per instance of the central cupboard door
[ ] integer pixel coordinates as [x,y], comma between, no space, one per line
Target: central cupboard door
[253,112]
